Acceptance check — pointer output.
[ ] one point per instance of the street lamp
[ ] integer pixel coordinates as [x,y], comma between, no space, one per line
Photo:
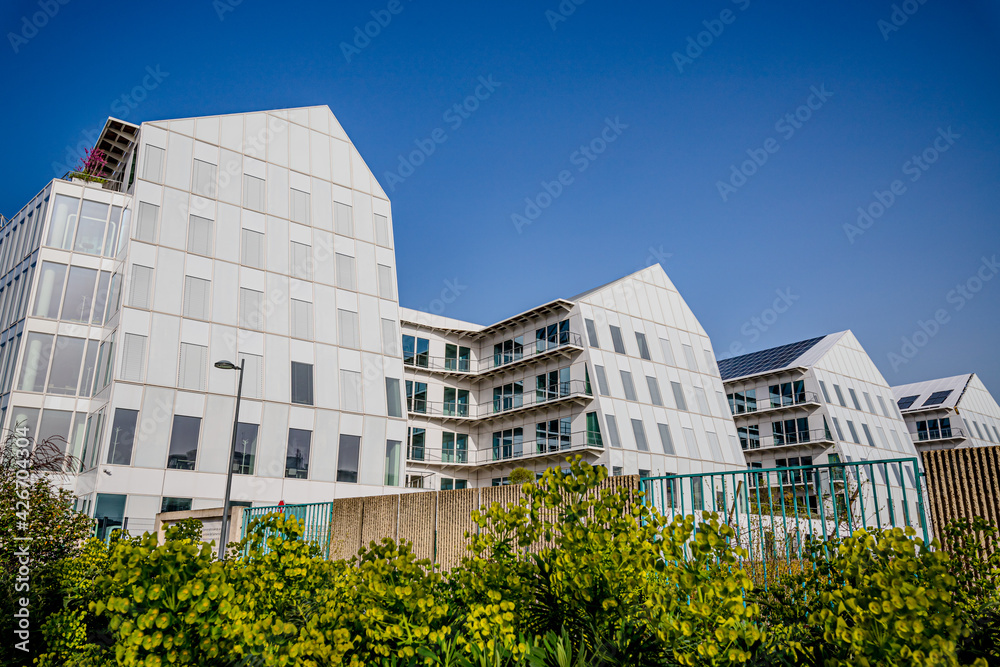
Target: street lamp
[230,366]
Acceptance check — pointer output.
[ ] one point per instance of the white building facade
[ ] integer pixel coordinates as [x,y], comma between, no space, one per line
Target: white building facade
[817,401]
[622,375]
[258,238]
[949,413]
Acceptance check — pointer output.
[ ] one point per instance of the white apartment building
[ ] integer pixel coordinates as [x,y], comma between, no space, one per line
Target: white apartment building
[623,375]
[258,238]
[949,413]
[816,401]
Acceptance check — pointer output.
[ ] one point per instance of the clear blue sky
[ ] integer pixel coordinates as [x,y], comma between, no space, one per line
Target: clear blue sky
[655,188]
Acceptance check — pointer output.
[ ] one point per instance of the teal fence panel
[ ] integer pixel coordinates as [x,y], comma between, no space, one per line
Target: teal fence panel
[777,512]
[314,517]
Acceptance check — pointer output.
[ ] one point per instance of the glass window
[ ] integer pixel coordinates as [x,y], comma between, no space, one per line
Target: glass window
[67,357]
[840,395]
[854,399]
[591,333]
[152,164]
[594,430]
[192,366]
[347,324]
[416,396]
[246,449]
[868,402]
[345,272]
[382,230]
[392,400]
[868,434]
[175,504]
[302,383]
[89,366]
[602,380]
[62,226]
[640,339]
[386,288]
[613,430]
[392,462]
[668,353]
[54,428]
[343,219]
[253,193]
[35,363]
[251,309]
[142,278]
[881,405]
[640,435]
[854,433]
[145,222]
[836,426]
[196,293]
[133,357]
[122,436]
[350,391]
[666,440]
[616,340]
[252,249]
[692,362]
[826,394]
[389,345]
[203,179]
[115,244]
[79,294]
[699,394]
[654,390]
[184,437]
[101,300]
[90,231]
[415,440]
[199,235]
[50,288]
[109,513]
[678,395]
[629,387]
[347,458]
[299,206]
[297,456]
[301,261]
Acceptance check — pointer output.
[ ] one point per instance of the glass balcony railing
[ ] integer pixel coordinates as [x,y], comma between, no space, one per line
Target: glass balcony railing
[526,353]
[510,449]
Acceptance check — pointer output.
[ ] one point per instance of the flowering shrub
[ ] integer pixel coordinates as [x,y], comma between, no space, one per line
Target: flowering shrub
[572,574]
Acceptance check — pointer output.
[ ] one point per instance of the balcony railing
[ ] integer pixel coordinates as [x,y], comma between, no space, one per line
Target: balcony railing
[946,433]
[795,438]
[776,403]
[551,445]
[472,367]
[530,399]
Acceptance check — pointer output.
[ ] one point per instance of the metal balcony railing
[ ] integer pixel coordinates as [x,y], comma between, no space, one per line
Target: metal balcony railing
[815,436]
[532,446]
[472,367]
[529,399]
[774,403]
[947,433]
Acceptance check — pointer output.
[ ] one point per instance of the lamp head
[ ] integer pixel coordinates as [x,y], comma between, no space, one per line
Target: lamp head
[226,365]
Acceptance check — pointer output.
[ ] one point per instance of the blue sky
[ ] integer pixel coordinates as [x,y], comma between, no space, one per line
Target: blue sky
[683,120]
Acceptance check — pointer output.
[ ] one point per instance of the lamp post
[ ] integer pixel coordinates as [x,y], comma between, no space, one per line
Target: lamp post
[230,366]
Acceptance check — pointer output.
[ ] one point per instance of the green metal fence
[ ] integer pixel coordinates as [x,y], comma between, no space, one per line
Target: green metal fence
[314,517]
[776,513]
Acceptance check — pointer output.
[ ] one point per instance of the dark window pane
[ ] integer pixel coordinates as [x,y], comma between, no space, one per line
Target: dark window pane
[175,504]
[184,443]
[122,437]
[302,383]
[347,458]
[246,449]
[297,458]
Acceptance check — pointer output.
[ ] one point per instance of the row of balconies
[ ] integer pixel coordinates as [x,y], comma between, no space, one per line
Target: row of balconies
[481,369]
[574,391]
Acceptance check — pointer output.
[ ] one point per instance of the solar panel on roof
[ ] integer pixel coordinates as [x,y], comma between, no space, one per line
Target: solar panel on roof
[906,401]
[937,398]
[765,360]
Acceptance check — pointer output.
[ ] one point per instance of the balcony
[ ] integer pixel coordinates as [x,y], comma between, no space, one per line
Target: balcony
[940,434]
[574,391]
[805,399]
[568,345]
[813,439]
[551,448]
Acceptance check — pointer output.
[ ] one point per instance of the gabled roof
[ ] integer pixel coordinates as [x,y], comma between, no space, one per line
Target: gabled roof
[946,392]
[801,354]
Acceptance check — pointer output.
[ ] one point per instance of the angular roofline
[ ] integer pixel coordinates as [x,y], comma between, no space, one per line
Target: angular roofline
[583,295]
